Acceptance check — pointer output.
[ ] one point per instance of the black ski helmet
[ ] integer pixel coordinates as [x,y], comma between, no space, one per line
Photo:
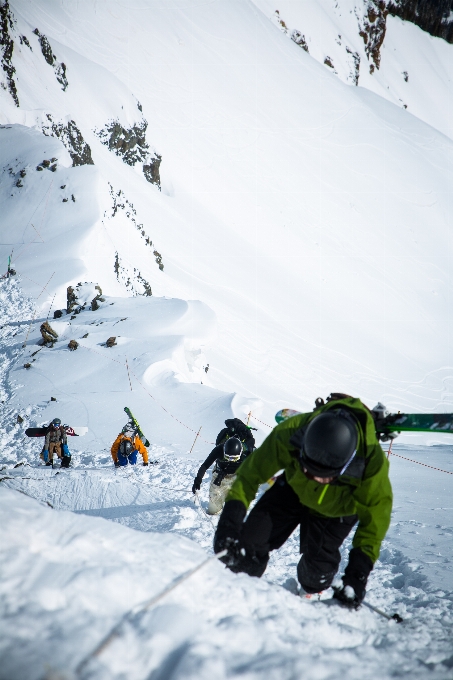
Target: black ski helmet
[232,450]
[329,443]
[56,422]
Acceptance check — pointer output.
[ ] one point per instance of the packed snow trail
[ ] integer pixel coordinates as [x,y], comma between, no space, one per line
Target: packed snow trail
[218,623]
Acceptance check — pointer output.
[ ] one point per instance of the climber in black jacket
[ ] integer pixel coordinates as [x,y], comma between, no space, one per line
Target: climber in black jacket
[233,444]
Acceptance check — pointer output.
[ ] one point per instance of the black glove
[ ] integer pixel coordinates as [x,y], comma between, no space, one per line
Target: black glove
[228,533]
[145,464]
[353,590]
[116,463]
[196,484]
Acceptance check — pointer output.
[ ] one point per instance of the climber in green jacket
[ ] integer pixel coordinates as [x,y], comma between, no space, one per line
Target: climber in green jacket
[335,474]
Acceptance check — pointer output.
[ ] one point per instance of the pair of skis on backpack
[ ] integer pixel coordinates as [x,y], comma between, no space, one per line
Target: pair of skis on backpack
[388,425]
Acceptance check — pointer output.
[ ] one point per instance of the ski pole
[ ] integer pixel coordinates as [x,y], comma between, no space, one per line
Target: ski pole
[115,632]
[390,617]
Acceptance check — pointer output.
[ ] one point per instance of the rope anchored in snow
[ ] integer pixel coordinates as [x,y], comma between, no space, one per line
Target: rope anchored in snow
[116,631]
[418,463]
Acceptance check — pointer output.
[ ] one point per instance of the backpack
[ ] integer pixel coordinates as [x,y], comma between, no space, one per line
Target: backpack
[126,448]
[236,428]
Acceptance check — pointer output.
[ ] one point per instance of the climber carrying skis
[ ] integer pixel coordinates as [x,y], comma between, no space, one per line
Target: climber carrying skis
[335,474]
[127,445]
[56,441]
[233,444]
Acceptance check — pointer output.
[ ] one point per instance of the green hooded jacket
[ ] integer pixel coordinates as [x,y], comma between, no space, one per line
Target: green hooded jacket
[363,490]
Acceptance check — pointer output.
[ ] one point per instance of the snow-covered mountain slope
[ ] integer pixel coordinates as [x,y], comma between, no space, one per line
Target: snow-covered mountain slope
[247,232]
[361,43]
[69,578]
[312,217]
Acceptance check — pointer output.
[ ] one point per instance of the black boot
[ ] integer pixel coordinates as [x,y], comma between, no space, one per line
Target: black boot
[65,461]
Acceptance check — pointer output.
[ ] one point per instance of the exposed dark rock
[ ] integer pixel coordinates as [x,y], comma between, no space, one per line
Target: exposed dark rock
[49,336]
[131,146]
[27,365]
[57,314]
[158,257]
[73,344]
[72,138]
[433,16]
[280,21]
[328,62]
[51,59]
[372,30]
[7,48]
[355,68]
[53,399]
[121,273]
[299,39]
[120,202]
[24,41]
[147,292]
[151,170]
[71,299]
[22,173]
[19,420]
[111,342]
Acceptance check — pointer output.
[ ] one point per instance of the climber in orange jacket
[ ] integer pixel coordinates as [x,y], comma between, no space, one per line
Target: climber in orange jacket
[126,446]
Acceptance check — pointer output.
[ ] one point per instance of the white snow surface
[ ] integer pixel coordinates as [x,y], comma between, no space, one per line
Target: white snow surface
[304,227]
[70,576]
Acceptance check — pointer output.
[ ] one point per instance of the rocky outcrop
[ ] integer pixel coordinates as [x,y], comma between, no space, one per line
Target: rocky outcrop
[299,39]
[130,279]
[354,66]
[49,336]
[72,139]
[372,29]
[83,296]
[121,203]
[7,48]
[131,146]
[51,59]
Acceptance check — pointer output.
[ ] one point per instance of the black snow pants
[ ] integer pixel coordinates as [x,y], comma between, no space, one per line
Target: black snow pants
[271,523]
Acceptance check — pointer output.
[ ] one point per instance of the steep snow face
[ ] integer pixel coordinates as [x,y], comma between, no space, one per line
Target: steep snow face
[312,217]
[362,44]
